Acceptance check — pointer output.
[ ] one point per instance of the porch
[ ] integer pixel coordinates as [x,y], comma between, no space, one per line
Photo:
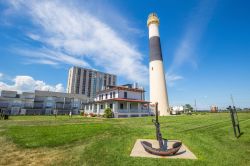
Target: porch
[120,108]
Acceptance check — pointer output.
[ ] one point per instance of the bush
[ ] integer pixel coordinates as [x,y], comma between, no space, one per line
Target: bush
[84,114]
[108,113]
[92,114]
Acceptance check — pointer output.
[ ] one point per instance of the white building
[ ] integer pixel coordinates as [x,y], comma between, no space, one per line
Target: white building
[87,81]
[177,110]
[124,101]
[41,102]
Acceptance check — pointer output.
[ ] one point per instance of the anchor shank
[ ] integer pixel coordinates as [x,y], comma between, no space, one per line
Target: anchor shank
[157,125]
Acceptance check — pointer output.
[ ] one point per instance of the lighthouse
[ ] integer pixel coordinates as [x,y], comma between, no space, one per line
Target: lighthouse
[157,81]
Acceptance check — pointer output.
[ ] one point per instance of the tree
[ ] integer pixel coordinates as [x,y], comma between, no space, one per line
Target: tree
[188,108]
[108,113]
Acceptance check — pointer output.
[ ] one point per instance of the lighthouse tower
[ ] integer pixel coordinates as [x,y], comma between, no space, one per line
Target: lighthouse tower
[157,84]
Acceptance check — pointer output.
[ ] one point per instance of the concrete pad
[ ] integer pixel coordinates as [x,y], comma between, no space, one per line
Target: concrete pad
[139,151]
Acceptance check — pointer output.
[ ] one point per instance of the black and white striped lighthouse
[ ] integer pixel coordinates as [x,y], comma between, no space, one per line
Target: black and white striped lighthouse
[157,84]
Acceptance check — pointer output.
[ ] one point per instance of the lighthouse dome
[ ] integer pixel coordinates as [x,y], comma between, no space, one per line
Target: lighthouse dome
[153,19]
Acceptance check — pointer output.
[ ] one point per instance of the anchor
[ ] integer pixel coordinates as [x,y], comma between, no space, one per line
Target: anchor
[163,150]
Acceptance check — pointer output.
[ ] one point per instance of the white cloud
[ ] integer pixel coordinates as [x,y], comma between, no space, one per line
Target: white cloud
[198,21]
[50,57]
[172,78]
[77,37]
[1,75]
[27,83]
[33,36]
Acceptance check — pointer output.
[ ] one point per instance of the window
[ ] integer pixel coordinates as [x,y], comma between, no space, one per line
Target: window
[84,82]
[114,80]
[106,96]
[89,84]
[125,95]
[101,106]
[111,105]
[78,80]
[109,80]
[104,82]
[121,106]
[111,95]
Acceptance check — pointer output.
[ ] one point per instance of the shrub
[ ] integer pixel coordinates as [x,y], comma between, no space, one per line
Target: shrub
[92,114]
[85,114]
[108,113]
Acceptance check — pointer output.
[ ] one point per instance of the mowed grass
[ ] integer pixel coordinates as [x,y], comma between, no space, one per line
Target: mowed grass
[51,136]
[46,140]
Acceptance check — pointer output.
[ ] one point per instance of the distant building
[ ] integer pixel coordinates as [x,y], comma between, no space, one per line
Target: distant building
[41,103]
[214,109]
[175,110]
[124,101]
[88,82]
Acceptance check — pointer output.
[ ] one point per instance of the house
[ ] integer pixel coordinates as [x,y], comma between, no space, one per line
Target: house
[124,101]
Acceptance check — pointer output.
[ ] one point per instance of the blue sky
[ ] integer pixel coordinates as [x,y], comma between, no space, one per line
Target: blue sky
[205,44]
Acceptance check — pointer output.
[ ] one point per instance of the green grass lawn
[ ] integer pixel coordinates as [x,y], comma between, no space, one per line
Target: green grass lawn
[45,140]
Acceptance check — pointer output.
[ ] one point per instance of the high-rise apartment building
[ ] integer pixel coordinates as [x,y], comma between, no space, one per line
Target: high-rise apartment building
[88,82]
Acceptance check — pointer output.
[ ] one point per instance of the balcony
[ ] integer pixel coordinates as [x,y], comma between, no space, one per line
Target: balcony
[59,105]
[38,105]
[67,106]
[4,104]
[28,105]
[41,99]
[67,100]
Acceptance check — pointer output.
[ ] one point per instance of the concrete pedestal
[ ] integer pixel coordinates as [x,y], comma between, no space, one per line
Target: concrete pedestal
[138,150]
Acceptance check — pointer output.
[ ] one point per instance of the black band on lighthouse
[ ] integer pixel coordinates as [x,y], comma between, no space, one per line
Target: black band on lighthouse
[155,48]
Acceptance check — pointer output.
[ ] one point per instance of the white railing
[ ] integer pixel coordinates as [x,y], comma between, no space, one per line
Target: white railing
[132,111]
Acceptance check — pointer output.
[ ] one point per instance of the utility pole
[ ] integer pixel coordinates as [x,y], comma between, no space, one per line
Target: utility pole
[232,100]
[195,105]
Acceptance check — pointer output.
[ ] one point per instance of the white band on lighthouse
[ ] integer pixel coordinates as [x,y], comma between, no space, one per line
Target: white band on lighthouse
[153,30]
